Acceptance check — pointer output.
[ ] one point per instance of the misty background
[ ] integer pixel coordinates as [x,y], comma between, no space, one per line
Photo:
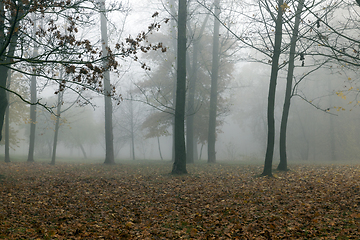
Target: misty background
[323,120]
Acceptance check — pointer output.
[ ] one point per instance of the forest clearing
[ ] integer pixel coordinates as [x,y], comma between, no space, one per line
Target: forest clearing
[143,201]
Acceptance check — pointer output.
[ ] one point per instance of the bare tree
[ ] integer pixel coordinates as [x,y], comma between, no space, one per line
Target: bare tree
[179,166]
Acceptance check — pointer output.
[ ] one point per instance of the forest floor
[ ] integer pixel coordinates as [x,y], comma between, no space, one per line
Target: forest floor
[143,201]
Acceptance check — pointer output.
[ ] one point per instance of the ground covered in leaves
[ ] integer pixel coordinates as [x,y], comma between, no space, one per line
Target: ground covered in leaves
[142,201]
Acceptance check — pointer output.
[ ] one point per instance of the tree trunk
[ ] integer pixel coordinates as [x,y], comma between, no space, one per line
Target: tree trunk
[132,129]
[285,115]
[179,166]
[332,129]
[191,109]
[3,98]
[109,145]
[33,97]
[174,37]
[158,139]
[196,153]
[213,92]
[201,149]
[57,126]
[82,150]
[7,122]
[33,100]
[271,97]
[7,57]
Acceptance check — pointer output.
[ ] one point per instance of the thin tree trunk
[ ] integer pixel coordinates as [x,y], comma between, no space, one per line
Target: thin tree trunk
[57,126]
[173,33]
[196,153]
[4,70]
[285,115]
[179,166]
[33,97]
[3,98]
[7,122]
[158,139]
[83,150]
[202,145]
[33,100]
[332,138]
[132,129]
[109,145]
[214,87]
[191,109]
[271,97]
[332,129]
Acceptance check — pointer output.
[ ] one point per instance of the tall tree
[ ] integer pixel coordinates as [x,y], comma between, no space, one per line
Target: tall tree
[179,166]
[191,142]
[33,100]
[57,124]
[289,80]
[272,89]
[8,42]
[214,86]
[109,144]
[7,123]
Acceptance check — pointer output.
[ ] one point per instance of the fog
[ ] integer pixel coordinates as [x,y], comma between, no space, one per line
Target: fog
[322,121]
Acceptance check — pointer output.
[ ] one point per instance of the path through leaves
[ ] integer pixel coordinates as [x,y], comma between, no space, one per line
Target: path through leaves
[142,201]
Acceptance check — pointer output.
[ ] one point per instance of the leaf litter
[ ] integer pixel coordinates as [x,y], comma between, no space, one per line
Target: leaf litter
[143,201]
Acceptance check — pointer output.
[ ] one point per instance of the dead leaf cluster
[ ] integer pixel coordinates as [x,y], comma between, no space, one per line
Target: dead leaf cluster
[142,201]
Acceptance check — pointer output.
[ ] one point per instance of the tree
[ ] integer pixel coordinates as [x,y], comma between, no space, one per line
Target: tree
[128,120]
[191,139]
[289,79]
[179,166]
[214,86]
[16,113]
[58,121]
[33,100]
[109,145]
[272,88]
[75,133]
[57,125]
[81,58]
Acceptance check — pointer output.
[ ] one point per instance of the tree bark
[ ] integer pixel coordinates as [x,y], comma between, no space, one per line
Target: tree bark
[158,140]
[3,98]
[109,144]
[132,129]
[57,126]
[33,97]
[3,70]
[33,100]
[7,122]
[271,96]
[173,35]
[191,109]
[179,166]
[285,115]
[214,87]
[6,57]
[83,150]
